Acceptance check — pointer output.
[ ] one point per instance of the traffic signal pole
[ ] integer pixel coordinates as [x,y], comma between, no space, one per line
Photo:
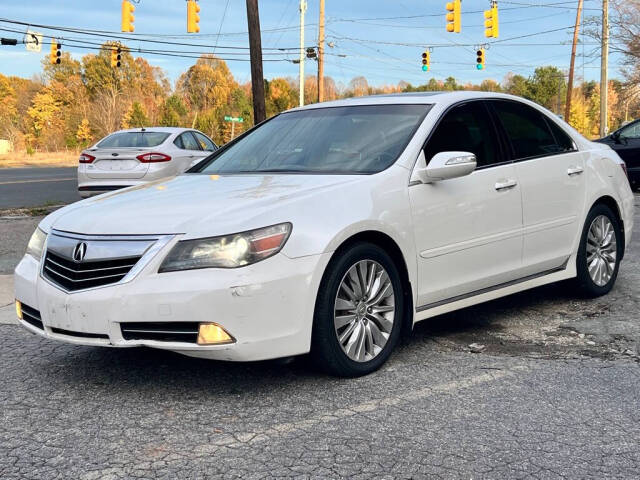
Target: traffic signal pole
[255,53]
[321,54]
[604,65]
[303,9]
[576,30]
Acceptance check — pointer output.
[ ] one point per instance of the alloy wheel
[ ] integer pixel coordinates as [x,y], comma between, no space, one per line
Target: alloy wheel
[364,310]
[601,250]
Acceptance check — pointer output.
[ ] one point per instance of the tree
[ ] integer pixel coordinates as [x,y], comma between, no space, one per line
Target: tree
[173,112]
[279,96]
[358,87]
[547,87]
[135,117]
[207,84]
[83,134]
[516,85]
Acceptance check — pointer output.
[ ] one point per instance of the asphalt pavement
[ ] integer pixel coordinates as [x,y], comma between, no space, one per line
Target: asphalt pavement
[553,393]
[35,186]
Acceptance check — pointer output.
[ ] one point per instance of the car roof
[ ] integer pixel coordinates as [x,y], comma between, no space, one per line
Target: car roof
[156,129]
[413,98]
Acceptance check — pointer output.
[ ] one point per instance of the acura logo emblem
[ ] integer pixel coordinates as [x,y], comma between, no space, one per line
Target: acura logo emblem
[79,251]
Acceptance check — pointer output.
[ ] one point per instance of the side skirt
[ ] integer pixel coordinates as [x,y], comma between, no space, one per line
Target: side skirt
[497,291]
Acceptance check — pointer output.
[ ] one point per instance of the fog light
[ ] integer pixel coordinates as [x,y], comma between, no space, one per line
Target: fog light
[19,309]
[213,334]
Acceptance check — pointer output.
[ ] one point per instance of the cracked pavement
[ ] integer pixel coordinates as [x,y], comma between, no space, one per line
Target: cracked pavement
[554,394]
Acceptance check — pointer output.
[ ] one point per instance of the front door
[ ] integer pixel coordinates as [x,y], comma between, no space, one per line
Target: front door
[468,230]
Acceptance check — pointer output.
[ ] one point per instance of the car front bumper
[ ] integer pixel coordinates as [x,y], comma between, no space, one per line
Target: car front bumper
[266,307]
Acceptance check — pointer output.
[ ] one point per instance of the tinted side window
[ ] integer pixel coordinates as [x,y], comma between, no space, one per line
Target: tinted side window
[562,139]
[631,131]
[465,128]
[528,131]
[189,141]
[178,142]
[204,142]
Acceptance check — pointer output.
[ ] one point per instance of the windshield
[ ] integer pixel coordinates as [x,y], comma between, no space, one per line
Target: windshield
[133,139]
[344,140]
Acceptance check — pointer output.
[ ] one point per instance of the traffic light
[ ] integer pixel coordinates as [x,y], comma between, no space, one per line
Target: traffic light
[491,21]
[454,20]
[426,61]
[311,53]
[192,16]
[56,52]
[480,59]
[116,57]
[127,16]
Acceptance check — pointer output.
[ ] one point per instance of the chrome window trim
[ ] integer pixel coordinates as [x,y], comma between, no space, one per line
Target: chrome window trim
[161,241]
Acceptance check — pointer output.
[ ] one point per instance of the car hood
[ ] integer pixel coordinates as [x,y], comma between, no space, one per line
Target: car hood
[196,205]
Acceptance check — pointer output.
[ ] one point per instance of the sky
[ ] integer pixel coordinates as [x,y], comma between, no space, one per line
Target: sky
[382,40]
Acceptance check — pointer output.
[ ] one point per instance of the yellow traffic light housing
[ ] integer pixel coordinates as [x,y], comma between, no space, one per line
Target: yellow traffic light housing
[56,52]
[454,17]
[426,61]
[491,21]
[480,59]
[127,16]
[116,57]
[193,19]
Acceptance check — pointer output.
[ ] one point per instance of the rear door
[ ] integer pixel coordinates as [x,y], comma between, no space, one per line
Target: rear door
[189,151]
[550,171]
[207,146]
[468,230]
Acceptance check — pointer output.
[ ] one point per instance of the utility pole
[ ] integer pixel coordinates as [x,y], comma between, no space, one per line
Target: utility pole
[604,65]
[255,53]
[321,54]
[576,30]
[303,9]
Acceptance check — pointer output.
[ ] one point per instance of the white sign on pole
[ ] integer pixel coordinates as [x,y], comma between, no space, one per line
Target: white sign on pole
[33,41]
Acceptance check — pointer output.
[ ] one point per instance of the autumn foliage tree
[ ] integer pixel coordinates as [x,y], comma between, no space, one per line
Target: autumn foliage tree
[77,102]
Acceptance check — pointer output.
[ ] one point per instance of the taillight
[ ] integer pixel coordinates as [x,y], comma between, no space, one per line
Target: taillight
[624,167]
[153,157]
[86,158]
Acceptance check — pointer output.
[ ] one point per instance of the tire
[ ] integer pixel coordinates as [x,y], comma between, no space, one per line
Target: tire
[338,314]
[590,283]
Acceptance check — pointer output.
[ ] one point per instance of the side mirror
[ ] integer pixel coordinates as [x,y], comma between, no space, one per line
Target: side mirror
[444,166]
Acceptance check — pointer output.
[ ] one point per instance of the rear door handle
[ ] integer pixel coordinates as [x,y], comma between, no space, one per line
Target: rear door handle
[574,171]
[505,185]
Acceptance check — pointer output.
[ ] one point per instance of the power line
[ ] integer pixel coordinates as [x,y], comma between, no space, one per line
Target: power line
[118,36]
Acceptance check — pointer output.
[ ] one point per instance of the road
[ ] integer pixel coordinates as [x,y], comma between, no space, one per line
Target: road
[554,394]
[34,187]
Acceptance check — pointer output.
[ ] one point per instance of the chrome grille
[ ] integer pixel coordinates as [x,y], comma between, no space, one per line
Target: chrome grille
[77,276]
[77,262]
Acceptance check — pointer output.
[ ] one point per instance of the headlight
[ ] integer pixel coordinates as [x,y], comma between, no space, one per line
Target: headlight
[229,251]
[36,244]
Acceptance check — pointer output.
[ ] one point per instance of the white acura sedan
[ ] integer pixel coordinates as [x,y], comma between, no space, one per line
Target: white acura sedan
[331,229]
[133,157]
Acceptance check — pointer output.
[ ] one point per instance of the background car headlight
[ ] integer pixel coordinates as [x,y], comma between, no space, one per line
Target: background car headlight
[36,244]
[229,251]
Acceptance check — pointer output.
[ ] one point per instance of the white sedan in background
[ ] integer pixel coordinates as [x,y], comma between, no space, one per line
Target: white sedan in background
[132,157]
[331,229]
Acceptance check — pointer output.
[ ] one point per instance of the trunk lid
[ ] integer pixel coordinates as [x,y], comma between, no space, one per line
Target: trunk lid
[117,163]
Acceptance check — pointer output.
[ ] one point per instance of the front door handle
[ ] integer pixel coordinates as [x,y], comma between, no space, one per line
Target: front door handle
[574,171]
[505,185]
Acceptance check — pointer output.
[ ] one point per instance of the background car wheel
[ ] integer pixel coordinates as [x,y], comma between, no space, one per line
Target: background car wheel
[600,251]
[358,314]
